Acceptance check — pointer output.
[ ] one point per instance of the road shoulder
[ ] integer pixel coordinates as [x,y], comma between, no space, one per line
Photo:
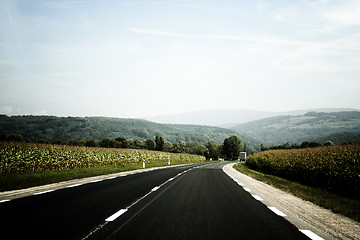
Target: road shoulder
[303,214]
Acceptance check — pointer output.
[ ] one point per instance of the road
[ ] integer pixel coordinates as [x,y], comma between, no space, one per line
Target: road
[185,202]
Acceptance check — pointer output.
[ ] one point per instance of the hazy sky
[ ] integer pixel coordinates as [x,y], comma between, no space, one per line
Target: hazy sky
[142,58]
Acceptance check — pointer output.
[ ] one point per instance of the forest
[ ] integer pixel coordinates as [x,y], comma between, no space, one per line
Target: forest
[94,130]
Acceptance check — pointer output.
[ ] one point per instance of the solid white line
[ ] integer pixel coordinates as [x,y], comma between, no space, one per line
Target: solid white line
[155,188]
[240,183]
[43,192]
[247,189]
[75,185]
[6,200]
[116,215]
[257,197]
[277,211]
[170,179]
[311,235]
[99,180]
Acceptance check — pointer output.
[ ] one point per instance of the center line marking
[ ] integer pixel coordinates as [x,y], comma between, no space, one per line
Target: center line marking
[116,215]
[277,211]
[154,189]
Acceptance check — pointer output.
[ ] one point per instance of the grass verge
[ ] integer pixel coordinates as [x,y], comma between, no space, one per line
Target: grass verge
[13,181]
[346,206]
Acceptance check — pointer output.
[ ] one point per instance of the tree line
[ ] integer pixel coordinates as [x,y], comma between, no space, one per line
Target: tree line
[297,146]
[229,150]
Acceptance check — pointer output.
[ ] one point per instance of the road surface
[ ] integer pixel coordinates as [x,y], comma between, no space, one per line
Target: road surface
[185,202]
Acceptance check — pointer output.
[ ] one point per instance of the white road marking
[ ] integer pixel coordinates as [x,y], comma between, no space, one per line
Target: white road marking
[247,189]
[6,200]
[99,180]
[155,188]
[311,235]
[170,179]
[43,192]
[116,215]
[257,197]
[111,178]
[277,211]
[75,185]
[240,183]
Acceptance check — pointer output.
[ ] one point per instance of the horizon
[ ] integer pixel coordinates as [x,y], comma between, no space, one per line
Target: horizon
[140,59]
[318,110]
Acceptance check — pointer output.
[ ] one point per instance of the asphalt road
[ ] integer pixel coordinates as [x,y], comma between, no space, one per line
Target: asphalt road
[185,202]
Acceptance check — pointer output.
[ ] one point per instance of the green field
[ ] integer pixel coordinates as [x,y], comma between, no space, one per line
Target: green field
[27,164]
[334,168]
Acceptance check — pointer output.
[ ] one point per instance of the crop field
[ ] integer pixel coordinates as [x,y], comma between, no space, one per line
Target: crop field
[335,168]
[27,157]
[25,165]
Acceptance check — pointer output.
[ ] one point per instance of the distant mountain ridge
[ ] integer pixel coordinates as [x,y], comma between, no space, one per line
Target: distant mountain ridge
[337,127]
[228,118]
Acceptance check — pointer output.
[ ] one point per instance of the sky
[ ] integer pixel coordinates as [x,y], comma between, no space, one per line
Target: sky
[139,58]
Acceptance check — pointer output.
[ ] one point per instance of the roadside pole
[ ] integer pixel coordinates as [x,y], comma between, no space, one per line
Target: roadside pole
[143,163]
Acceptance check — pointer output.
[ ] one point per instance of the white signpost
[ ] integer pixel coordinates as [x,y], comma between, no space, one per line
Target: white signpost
[143,163]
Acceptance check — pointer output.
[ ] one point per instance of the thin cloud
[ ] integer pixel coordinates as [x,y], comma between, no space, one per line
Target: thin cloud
[271,40]
[14,29]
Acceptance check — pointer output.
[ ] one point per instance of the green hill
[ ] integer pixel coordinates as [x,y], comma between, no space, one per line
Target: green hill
[35,128]
[337,127]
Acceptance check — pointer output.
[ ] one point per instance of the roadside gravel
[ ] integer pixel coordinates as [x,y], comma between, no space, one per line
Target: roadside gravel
[301,213]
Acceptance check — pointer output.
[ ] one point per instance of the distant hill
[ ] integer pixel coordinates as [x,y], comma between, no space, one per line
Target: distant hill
[337,127]
[34,128]
[228,118]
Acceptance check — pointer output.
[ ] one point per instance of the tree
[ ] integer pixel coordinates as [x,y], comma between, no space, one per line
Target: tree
[213,150]
[159,143]
[150,144]
[232,147]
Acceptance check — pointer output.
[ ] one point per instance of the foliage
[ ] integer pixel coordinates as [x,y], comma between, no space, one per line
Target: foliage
[213,151]
[26,157]
[231,148]
[336,168]
[61,130]
[159,143]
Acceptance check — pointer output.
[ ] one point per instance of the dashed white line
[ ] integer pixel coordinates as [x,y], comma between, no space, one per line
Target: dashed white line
[39,193]
[247,189]
[257,197]
[311,235]
[277,211]
[116,215]
[6,200]
[155,188]
[170,179]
